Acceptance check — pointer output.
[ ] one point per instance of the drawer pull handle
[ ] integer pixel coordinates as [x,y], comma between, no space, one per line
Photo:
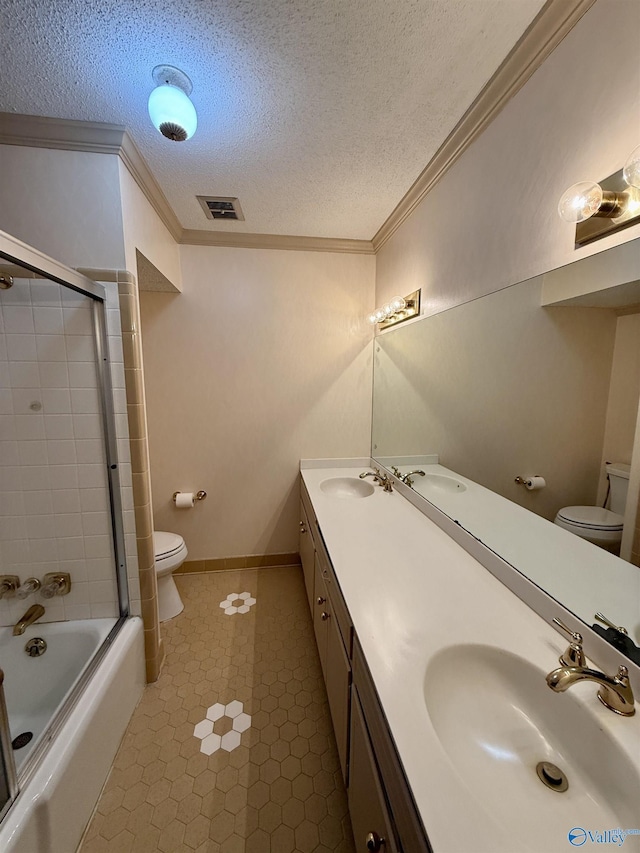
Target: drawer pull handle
[324,615]
[320,600]
[374,842]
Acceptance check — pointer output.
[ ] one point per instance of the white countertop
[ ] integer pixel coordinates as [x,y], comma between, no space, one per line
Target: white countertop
[411,592]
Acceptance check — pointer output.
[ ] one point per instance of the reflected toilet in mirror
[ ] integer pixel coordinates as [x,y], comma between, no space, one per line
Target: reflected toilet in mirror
[601,526]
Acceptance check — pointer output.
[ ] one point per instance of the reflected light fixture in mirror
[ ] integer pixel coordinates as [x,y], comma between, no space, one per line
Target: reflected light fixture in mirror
[396,310]
[601,209]
[170,108]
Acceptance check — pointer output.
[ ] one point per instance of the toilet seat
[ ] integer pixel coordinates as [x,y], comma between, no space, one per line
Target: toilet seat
[592,518]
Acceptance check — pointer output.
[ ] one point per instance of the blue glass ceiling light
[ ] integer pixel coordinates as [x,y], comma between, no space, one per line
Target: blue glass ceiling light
[170,109]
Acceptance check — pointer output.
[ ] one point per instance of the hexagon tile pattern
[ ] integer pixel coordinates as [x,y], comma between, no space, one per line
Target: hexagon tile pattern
[211,741]
[257,679]
[237,602]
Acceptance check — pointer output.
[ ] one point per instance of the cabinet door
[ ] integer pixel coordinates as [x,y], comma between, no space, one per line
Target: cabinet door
[306,554]
[367,806]
[338,681]
[321,615]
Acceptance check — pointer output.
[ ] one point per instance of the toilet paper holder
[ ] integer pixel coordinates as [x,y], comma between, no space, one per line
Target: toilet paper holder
[198,496]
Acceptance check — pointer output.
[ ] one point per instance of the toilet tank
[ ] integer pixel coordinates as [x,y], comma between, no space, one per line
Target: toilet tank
[619,479]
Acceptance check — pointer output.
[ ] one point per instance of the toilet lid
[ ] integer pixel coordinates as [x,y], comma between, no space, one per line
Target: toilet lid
[592,517]
[166,544]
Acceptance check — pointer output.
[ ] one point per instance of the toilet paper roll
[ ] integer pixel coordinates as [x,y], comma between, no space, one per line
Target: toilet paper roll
[534,483]
[184,500]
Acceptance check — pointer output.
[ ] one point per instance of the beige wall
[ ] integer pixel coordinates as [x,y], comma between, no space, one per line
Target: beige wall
[65,203]
[492,220]
[263,359]
[143,230]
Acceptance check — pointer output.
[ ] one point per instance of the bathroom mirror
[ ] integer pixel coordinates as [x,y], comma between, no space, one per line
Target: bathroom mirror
[538,379]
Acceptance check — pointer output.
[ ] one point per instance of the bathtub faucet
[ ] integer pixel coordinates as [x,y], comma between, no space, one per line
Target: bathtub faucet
[33,613]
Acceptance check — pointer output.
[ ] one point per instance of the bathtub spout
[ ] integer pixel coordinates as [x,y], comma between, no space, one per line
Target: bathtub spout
[33,613]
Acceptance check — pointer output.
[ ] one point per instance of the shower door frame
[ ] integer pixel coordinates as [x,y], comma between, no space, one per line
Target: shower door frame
[14,251]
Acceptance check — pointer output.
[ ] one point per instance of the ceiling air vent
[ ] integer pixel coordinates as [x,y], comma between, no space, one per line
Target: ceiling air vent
[220,207]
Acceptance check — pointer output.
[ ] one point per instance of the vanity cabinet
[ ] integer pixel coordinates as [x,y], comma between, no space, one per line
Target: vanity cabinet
[383,814]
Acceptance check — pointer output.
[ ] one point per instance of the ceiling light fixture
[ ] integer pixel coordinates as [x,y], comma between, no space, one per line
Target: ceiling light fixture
[601,209]
[396,310]
[170,109]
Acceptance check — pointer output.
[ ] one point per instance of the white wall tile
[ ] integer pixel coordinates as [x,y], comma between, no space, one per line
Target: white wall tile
[48,321]
[33,453]
[61,452]
[79,348]
[65,500]
[58,426]
[68,525]
[24,374]
[77,321]
[53,374]
[30,426]
[51,348]
[85,401]
[46,294]
[21,347]
[47,521]
[18,318]
[82,374]
[56,401]
[9,453]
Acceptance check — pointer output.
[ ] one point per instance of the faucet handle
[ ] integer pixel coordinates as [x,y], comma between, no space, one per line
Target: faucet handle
[602,618]
[574,654]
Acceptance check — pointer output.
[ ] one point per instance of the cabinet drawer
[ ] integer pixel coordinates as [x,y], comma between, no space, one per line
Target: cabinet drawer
[369,815]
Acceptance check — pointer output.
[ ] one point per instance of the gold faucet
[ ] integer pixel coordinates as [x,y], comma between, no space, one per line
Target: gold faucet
[615,691]
[33,613]
[382,479]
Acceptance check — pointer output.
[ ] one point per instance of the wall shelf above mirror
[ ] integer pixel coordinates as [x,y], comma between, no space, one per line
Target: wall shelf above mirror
[540,378]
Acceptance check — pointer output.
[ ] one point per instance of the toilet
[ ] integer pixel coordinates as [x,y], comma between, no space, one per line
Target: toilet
[601,526]
[170,553]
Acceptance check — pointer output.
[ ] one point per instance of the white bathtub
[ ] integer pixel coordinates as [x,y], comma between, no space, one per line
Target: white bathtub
[36,687]
[53,807]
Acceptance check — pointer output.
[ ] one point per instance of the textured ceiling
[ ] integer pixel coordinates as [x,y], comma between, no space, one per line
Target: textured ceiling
[318,114]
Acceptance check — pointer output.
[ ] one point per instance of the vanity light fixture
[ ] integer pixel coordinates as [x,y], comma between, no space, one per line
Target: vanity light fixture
[170,108]
[396,310]
[601,209]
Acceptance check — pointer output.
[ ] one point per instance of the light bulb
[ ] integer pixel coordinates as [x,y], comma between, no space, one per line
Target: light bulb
[580,201]
[631,170]
[372,319]
[387,309]
[379,315]
[398,303]
[172,113]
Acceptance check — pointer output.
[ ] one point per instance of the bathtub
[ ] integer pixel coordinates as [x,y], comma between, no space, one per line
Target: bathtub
[59,789]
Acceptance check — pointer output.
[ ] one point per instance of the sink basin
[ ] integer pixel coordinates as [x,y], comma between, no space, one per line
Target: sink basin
[346,487]
[496,719]
[440,482]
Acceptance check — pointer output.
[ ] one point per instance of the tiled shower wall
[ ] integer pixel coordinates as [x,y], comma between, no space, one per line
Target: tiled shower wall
[54,512]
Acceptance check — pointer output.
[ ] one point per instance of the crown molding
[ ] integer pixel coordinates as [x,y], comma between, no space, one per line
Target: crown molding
[554,21]
[95,138]
[232,239]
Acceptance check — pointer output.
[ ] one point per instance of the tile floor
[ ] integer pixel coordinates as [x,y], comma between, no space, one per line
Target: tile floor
[231,750]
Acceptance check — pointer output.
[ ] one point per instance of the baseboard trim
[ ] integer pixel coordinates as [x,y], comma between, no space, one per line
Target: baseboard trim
[251,561]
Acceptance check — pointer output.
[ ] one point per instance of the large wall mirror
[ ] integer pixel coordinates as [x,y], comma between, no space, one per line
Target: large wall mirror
[539,379]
